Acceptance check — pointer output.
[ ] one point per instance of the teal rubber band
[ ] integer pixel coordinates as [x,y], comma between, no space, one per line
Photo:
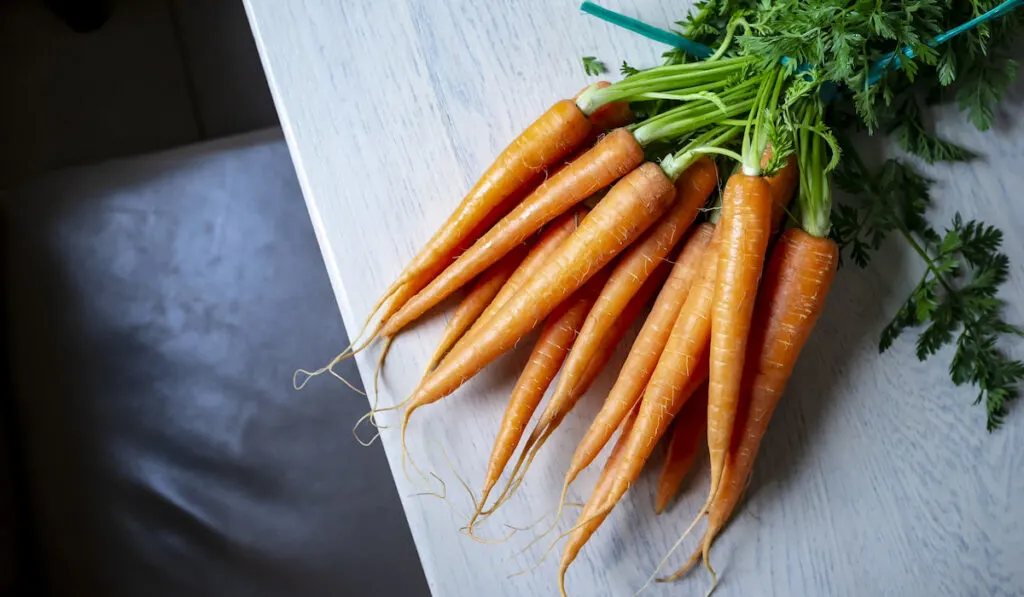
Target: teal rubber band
[882,64]
[650,32]
[701,51]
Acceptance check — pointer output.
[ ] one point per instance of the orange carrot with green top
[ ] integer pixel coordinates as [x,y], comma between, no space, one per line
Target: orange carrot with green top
[629,208]
[743,233]
[796,282]
[616,154]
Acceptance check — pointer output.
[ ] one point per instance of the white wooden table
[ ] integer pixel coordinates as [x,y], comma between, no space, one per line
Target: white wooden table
[877,476]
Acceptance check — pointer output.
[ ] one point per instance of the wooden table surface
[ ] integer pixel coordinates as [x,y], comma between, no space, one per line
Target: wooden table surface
[877,476]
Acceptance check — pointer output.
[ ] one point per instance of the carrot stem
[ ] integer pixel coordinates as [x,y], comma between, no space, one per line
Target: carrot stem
[662,78]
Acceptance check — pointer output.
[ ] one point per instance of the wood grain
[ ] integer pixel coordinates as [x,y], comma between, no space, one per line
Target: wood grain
[876,478]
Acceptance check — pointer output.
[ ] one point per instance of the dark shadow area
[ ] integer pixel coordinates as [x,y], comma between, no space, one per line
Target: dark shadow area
[158,308]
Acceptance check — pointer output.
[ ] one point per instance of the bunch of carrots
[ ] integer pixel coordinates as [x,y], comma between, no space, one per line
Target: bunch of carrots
[573,232]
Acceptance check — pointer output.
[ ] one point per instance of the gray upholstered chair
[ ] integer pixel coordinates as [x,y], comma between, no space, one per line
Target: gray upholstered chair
[157,307]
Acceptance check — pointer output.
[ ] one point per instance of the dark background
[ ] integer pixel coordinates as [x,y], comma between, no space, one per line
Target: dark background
[160,282]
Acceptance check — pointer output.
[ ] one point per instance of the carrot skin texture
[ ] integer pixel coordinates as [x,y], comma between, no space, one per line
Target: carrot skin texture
[604,482]
[645,352]
[611,116]
[783,186]
[408,289]
[554,135]
[562,403]
[551,238]
[560,406]
[796,284]
[610,487]
[480,295]
[556,338]
[743,234]
[684,441]
[628,209]
[680,371]
[615,155]
[635,266]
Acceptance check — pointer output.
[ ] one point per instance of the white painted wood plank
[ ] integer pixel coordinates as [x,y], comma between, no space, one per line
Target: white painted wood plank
[876,477]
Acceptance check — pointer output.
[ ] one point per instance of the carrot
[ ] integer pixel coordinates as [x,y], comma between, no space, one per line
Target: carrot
[551,238]
[687,431]
[609,116]
[633,269]
[644,354]
[398,294]
[612,485]
[629,208]
[551,137]
[604,482]
[783,185]
[627,279]
[681,369]
[744,230]
[479,296]
[562,403]
[556,338]
[796,283]
[612,157]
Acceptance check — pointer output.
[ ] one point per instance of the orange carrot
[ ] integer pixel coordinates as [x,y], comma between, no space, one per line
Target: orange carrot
[610,487]
[556,338]
[551,238]
[612,157]
[687,431]
[633,269]
[561,404]
[551,137]
[609,116]
[783,185]
[604,482]
[796,283]
[743,233]
[480,295]
[615,456]
[628,209]
[644,354]
[681,369]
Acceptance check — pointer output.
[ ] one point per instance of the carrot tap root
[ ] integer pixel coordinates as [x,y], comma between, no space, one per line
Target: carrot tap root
[690,563]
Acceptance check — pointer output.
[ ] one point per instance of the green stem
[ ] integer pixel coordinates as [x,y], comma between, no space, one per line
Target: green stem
[815,199]
[755,138]
[648,134]
[720,151]
[928,261]
[680,77]
[692,116]
[729,32]
[736,93]
[675,165]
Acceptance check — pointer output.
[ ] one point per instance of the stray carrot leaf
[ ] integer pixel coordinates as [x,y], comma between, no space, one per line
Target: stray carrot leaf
[592,66]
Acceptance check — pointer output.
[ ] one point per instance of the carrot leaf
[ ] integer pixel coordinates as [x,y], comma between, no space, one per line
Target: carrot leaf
[913,137]
[592,66]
